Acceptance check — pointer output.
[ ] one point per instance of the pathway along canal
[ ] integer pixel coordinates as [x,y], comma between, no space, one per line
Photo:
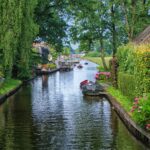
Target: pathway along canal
[51,114]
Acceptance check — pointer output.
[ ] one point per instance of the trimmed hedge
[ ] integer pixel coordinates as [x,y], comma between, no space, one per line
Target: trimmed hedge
[126,84]
[142,70]
[134,60]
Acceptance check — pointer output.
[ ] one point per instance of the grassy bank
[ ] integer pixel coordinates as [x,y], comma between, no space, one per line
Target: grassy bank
[138,109]
[123,100]
[98,60]
[9,85]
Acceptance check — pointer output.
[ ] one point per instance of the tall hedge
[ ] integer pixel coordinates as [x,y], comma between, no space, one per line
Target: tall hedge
[126,83]
[134,69]
[142,69]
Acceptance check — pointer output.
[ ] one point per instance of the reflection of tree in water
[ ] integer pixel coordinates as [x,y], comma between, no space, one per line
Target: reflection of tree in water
[92,129]
[58,117]
[122,138]
[16,130]
[44,81]
[44,53]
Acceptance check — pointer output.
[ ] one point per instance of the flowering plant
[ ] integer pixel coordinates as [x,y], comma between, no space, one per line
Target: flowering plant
[141,111]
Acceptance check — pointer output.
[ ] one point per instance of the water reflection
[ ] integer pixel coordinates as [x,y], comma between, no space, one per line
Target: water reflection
[52,114]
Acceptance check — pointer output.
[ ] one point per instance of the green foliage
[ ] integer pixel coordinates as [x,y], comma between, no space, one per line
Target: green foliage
[136,16]
[51,66]
[1,71]
[66,51]
[142,111]
[17,30]
[101,68]
[93,54]
[123,100]
[138,110]
[126,84]
[54,53]
[52,27]
[142,70]
[9,85]
[135,60]
[125,56]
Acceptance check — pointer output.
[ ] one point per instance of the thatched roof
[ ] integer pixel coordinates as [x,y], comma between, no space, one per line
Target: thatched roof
[143,37]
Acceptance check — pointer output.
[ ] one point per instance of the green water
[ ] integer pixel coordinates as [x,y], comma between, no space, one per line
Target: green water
[52,114]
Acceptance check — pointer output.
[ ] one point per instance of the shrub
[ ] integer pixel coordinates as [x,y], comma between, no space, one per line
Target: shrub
[51,66]
[141,111]
[101,68]
[1,72]
[135,60]
[125,56]
[142,69]
[126,84]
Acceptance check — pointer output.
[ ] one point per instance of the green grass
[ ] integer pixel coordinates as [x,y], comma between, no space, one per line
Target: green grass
[125,102]
[98,60]
[9,85]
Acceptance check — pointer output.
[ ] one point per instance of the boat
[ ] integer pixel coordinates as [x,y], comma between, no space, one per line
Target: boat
[79,66]
[86,63]
[84,83]
[90,88]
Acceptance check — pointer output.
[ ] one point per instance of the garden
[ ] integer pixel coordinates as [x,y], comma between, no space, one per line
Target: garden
[133,91]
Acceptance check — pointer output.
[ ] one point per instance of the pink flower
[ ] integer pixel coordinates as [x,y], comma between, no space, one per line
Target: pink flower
[136,99]
[135,103]
[148,126]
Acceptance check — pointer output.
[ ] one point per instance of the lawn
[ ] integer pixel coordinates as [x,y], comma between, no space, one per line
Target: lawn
[9,85]
[98,60]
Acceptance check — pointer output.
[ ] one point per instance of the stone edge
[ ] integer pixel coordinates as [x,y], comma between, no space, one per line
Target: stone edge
[138,132]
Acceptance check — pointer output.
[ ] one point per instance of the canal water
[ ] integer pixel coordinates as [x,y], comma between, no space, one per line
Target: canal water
[51,114]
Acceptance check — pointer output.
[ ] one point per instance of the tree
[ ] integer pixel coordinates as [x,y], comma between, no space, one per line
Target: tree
[135,16]
[49,17]
[17,30]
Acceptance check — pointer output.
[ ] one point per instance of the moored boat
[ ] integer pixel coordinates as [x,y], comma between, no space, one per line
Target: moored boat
[79,66]
[91,88]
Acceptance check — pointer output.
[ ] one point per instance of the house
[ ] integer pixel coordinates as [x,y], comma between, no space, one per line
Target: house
[143,37]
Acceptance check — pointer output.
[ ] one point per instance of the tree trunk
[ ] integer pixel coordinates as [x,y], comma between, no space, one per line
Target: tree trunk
[90,44]
[103,54]
[144,2]
[113,30]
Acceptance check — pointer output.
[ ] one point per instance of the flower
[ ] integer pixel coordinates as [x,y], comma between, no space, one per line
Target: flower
[148,126]
[136,99]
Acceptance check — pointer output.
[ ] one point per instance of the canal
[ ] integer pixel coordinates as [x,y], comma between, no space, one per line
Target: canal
[51,114]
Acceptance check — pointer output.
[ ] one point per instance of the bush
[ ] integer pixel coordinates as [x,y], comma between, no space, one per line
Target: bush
[125,56]
[51,66]
[135,60]
[142,69]
[141,111]
[1,72]
[126,84]
[101,68]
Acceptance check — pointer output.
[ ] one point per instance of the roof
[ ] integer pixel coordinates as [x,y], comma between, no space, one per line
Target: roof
[143,37]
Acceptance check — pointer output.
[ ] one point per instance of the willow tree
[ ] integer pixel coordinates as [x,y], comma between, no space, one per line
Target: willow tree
[10,27]
[28,32]
[17,30]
